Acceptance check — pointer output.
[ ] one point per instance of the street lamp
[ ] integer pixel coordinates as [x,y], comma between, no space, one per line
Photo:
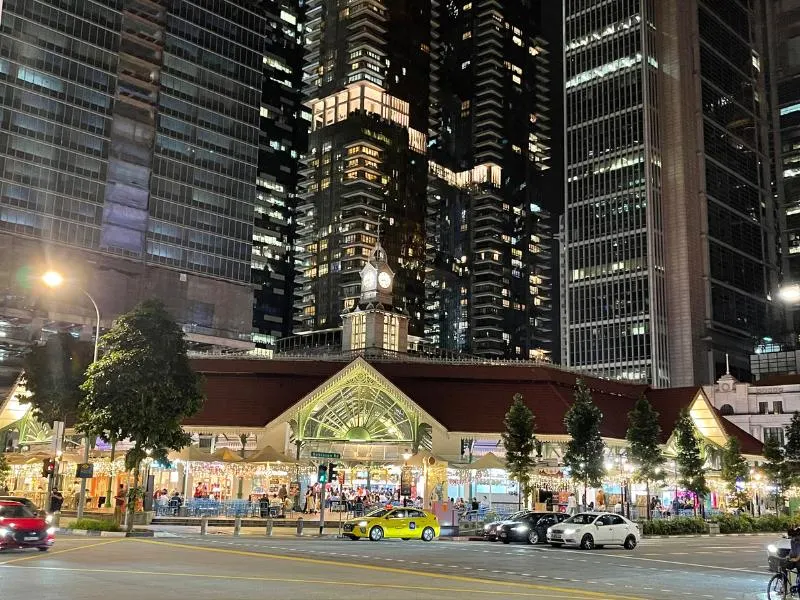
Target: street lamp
[406,455]
[53,279]
[790,293]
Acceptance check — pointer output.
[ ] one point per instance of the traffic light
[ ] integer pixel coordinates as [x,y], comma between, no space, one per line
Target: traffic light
[48,467]
[332,475]
[322,474]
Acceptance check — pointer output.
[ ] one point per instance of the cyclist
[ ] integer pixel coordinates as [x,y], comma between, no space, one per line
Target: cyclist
[793,560]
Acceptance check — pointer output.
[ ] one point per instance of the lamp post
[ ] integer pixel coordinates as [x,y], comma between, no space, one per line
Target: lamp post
[53,279]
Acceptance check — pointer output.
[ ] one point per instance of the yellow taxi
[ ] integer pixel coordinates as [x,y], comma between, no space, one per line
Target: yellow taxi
[390,522]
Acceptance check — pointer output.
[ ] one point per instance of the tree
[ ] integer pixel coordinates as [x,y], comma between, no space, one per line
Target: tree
[584,453]
[776,468]
[734,467]
[519,441]
[643,433]
[791,449]
[689,461]
[54,373]
[142,389]
[5,470]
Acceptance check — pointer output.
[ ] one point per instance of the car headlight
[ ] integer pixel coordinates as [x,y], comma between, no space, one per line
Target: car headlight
[362,523]
[549,530]
[4,532]
[48,519]
[772,549]
[521,528]
[487,527]
[569,531]
[51,531]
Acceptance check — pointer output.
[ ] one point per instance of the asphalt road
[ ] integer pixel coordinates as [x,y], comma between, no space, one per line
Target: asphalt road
[724,568]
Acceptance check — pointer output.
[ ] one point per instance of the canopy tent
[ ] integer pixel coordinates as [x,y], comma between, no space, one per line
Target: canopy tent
[424,458]
[225,455]
[191,454]
[268,454]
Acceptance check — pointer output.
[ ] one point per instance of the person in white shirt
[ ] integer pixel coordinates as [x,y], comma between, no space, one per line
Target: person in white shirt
[572,505]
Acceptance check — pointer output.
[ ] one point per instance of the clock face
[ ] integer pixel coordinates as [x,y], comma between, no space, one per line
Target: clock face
[384,279]
[369,279]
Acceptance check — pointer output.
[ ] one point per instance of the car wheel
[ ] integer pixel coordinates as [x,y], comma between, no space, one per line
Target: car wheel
[428,534]
[533,537]
[630,542]
[376,534]
[587,543]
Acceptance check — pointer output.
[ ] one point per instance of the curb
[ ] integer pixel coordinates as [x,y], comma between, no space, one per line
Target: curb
[113,534]
[705,535]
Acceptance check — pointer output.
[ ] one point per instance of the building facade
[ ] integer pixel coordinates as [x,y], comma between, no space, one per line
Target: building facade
[128,160]
[672,230]
[489,232]
[367,78]
[284,137]
[763,409]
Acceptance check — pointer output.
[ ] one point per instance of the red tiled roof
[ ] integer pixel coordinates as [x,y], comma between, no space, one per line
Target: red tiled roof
[462,397]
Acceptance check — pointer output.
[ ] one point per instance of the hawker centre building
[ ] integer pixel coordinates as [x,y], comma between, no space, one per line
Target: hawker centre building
[382,408]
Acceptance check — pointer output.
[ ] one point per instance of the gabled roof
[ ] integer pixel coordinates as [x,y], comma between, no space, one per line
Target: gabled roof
[462,397]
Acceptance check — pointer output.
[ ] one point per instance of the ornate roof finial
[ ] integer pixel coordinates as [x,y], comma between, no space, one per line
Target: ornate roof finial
[727,365]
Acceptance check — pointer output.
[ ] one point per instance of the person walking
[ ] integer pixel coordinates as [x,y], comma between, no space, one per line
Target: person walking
[572,505]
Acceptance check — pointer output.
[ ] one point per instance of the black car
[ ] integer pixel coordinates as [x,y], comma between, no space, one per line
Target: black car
[531,528]
[490,529]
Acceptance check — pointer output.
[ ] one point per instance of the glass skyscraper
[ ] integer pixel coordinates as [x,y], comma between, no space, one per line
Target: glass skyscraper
[129,134]
[671,237]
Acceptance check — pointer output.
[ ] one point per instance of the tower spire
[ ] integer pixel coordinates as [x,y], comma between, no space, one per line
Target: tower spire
[727,365]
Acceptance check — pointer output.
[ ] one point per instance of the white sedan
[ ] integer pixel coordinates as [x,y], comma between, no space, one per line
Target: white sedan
[594,530]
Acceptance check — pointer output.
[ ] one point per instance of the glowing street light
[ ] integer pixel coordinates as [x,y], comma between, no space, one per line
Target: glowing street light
[54,279]
[406,455]
[790,293]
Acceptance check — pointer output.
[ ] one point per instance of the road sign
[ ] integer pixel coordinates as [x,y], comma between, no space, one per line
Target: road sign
[85,471]
[325,455]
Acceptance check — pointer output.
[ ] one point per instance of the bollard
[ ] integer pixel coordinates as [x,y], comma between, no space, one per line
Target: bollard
[269,527]
[237,526]
[300,526]
[203,525]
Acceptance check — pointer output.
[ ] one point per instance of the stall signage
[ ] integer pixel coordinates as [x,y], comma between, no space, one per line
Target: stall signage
[85,471]
[325,455]
[405,481]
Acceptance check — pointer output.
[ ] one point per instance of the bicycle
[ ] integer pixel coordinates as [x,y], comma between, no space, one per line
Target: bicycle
[780,587]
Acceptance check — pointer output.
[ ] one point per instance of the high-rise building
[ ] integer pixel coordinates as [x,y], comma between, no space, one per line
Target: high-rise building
[367,75]
[284,137]
[671,236]
[489,231]
[782,31]
[129,134]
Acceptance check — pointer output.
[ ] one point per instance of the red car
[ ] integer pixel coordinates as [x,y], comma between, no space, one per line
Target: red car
[20,528]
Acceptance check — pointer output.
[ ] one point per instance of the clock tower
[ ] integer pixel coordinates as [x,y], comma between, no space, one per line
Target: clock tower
[375,325]
[377,278]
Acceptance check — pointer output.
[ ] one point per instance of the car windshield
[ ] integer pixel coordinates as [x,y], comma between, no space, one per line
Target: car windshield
[15,511]
[582,519]
[381,512]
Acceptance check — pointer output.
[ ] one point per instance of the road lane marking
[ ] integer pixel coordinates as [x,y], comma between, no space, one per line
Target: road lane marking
[674,562]
[536,590]
[49,554]
[396,570]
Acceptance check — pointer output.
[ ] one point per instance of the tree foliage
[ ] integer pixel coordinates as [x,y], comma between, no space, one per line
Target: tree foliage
[689,460]
[734,466]
[143,387]
[776,468]
[643,433]
[5,469]
[54,373]
[644,450]
[791,449]
[519,441]
[584,452]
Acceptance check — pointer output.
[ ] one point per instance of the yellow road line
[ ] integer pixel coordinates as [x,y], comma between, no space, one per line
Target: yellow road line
[394,570]
[48,554]
[360,584]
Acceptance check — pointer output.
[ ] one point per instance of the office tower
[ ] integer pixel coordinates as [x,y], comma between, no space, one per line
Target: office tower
[367,84]
[128,159]
[488,229]
[284,137]
[783,35]
[670,223]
